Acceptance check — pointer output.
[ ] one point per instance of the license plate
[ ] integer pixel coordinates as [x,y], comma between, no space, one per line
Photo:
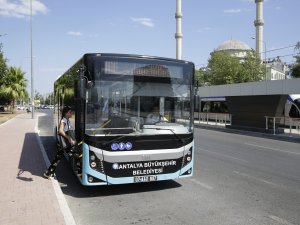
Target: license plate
[145,179]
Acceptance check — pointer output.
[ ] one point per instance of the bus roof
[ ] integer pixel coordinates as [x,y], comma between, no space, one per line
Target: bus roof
[120,55]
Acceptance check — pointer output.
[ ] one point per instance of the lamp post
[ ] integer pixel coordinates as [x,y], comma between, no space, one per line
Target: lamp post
[265,55]
[31,64]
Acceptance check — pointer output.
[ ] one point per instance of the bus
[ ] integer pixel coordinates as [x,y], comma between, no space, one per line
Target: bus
[112,96]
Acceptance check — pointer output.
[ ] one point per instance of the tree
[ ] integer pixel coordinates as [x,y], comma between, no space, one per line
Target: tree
[296,68]
[251,68]
[3,68]
[201,76]
[226,69]
[15,85]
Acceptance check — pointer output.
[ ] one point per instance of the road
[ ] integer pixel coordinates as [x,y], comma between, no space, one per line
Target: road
[238,179]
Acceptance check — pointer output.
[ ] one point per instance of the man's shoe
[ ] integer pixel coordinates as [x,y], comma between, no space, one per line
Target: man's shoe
[77,155]
[48,175]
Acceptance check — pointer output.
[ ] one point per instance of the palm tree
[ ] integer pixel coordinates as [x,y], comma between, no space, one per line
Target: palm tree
[15,86]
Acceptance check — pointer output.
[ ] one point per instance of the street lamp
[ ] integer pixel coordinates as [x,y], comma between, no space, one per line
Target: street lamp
[31,67]
[265,55]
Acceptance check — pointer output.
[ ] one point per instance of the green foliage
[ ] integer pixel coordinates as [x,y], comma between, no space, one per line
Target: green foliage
[14,87]
[251,68]
[3,67]
[296,68]
[226,69]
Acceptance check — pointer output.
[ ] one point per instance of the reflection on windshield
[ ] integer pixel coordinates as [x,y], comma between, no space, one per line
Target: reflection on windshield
[127,107]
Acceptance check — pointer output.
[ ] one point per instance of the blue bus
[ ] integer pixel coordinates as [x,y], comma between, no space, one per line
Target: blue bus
[113,96]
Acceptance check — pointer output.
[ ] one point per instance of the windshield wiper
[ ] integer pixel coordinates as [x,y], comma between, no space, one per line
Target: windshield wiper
[176,135]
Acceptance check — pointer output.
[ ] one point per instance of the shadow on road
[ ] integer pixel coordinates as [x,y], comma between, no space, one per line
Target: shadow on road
[80,191]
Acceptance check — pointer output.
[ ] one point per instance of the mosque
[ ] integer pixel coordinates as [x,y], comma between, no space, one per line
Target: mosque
[276,69]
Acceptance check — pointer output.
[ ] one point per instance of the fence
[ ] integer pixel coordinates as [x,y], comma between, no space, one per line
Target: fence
[222,119]
[293,124]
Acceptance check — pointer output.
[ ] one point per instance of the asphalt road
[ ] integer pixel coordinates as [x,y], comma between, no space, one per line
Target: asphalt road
[238,180]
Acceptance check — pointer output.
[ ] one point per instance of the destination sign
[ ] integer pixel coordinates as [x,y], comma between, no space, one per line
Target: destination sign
[142,69]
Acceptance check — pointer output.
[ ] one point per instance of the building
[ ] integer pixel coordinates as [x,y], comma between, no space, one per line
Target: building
[275,68]
[234,48]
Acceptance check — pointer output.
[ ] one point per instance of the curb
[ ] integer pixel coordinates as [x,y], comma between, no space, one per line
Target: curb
[249,133]
[63,205]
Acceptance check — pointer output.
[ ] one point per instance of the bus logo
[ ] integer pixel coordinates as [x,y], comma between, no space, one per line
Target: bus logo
[121,146]
[115,166]
[128,146]
[114,146]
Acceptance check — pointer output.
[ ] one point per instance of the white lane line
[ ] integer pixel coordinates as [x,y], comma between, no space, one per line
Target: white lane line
[202,184]
[280,220]
[223,155]
[274,149]
[255,178]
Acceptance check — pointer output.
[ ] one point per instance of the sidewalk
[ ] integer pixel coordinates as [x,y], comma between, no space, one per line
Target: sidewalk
[27,197]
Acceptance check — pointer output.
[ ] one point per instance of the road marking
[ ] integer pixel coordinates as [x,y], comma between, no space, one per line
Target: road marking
[280,220]
[226,156]
[274,149]
[202,184]
[255,178]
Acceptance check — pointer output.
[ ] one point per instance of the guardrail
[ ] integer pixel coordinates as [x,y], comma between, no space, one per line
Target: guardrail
[292,122]
[291,126]
[214,118]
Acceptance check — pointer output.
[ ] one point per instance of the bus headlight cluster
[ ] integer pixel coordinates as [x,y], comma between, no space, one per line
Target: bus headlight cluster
[95,162]
[187,157]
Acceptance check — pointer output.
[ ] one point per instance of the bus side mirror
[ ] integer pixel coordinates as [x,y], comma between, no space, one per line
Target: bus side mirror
[80,88]
[81,85]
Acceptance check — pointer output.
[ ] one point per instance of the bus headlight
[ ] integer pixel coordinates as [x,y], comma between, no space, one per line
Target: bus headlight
[92,157]
[90,179]
[93,164]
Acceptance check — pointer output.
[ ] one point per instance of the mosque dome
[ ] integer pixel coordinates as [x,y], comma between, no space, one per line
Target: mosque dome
[235,48]
[233,45]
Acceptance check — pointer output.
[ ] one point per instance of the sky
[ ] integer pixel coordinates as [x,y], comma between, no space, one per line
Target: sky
[64,30]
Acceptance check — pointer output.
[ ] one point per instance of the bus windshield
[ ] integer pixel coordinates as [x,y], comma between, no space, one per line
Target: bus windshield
[138,101]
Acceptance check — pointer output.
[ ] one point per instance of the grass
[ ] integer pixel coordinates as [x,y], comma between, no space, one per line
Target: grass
[5,116]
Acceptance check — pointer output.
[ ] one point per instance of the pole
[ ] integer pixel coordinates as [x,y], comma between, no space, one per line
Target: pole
[265,45]
[265,54]
[178,34]
[31,67]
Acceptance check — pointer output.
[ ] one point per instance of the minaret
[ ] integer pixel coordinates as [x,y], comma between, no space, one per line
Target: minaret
[178,34]
[259,24]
